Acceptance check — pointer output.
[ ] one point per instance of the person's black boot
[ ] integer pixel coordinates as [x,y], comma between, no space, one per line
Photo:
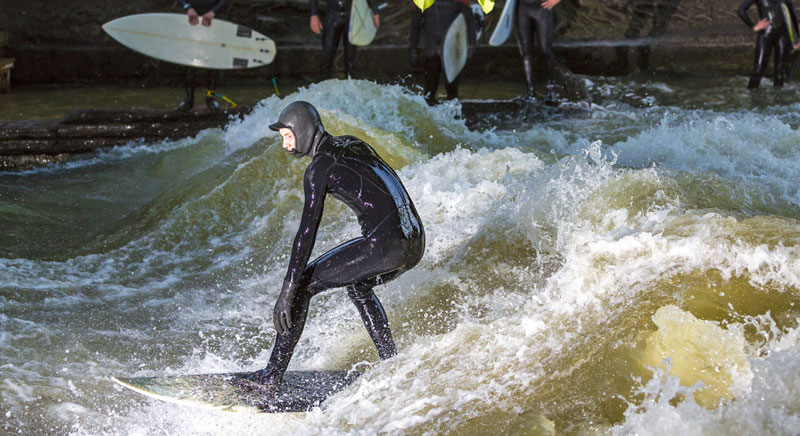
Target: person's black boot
[212,104]
[551,95]
[527,64]
[189,102]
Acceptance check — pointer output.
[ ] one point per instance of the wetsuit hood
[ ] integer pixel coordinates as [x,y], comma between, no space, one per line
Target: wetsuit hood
[303,120]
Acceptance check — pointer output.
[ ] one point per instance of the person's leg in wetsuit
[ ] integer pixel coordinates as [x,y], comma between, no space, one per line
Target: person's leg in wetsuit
[783,46]
[211,85]
[359,265]
[335,29]
[331,33]
[535,21]
[211,82]
[188,103]
[432,69]
[764,44]
[452,89]
[349,53]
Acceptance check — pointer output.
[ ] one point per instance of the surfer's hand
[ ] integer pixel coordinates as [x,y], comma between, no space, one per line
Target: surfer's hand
[316,24]
[377,20]
[193,17]
[207,17]
[550,4]
[761,25]
[797,46]
[282,315]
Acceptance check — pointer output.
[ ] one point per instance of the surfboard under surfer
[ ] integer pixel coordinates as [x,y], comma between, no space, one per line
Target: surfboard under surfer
[392,237]
[337,21]
[771,34]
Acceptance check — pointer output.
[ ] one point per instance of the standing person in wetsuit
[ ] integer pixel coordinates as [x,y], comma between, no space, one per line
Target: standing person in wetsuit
[535,25]
[392,241]
[202,11]
[771,33]
[437,20]
[660,12]
[337,24]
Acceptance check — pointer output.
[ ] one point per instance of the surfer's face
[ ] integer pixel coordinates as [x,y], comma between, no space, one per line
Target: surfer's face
[288,139]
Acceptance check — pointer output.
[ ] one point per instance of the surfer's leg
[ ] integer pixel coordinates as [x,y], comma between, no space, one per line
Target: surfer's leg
[763,50]
[189,87]
[782,49]
[374,318]
[432,69]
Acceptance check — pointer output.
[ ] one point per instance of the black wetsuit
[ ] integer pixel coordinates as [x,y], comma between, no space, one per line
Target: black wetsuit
[335,27]
[392,237]
[775,36]
[437,20]
[661,12]
[220,8]
[533,18]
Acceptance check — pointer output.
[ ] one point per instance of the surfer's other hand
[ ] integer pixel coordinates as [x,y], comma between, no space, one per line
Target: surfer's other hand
[193,17]
[282,315]
[207,17]
[316,24]
[797,46]
[377,20]
[761,25]
[550,4]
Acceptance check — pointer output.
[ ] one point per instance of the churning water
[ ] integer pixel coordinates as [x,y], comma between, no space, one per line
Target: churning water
[630,266]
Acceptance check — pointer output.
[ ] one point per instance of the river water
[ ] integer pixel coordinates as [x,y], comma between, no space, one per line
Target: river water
[629,266]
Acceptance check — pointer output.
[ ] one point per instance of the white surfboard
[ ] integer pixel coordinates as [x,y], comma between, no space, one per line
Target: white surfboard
[300,391]
[454,49]
[505,25]
[362,23]
[170,37]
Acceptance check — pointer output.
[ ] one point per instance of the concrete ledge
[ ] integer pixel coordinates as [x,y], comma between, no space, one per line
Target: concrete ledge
[26,143]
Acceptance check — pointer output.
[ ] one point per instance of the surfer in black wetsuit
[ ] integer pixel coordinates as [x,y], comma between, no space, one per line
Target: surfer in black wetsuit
[535,20]
[392,241]
[437,20]
[337,23]
[202,12]
[771,33]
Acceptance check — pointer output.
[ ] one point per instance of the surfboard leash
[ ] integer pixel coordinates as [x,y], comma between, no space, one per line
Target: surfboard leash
[275,85]
[214,94]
